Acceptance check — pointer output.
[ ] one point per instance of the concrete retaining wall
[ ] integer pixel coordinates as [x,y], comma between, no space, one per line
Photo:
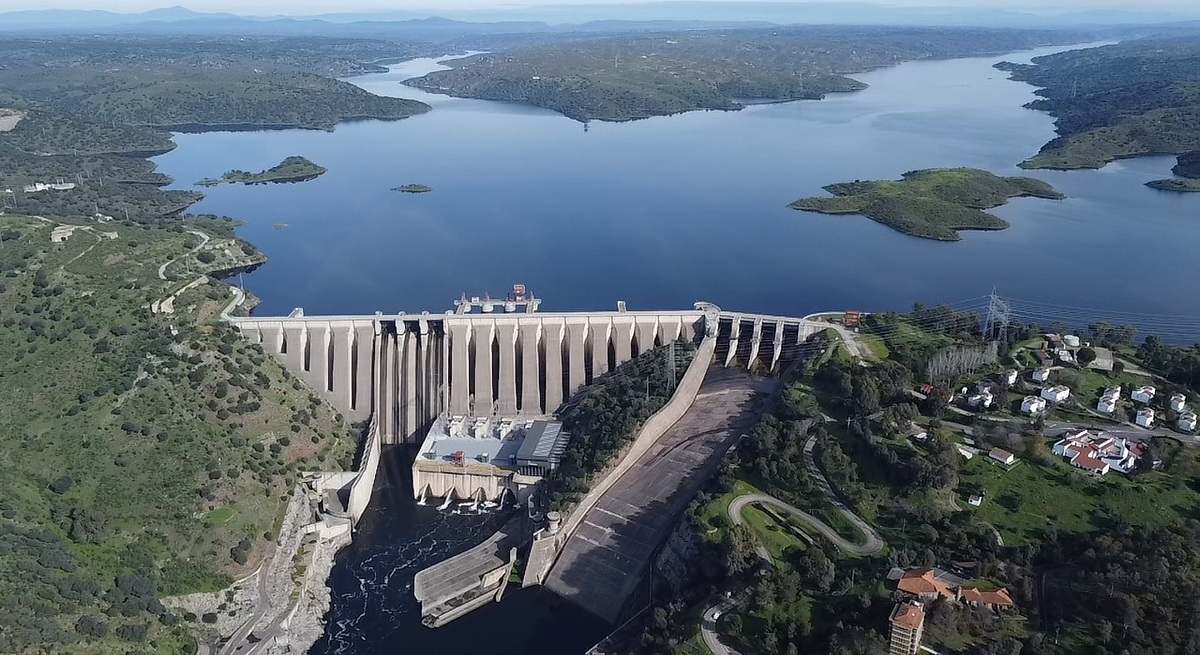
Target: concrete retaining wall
[364,482]
[652,429]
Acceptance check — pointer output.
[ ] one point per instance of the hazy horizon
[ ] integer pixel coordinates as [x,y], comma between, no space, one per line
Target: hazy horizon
[308,7]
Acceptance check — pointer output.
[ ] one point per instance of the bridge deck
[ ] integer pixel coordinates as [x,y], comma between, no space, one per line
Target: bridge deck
[604,562]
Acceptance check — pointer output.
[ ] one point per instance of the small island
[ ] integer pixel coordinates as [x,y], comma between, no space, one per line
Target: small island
[413,188]
[292,169]
[931,204]
[1187,167]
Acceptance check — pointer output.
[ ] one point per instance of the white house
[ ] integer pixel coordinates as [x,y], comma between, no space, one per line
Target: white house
[1187,421]
[1178,402]
[1145,417]
[975,501]
[1002,456]
[1010,376]
[1143,394]
[1056,394]
[1040,374]
[1071,340]
[1033,405]
[983,399]
[966,451]
[1115,392]
[1097,453]
[1106,405]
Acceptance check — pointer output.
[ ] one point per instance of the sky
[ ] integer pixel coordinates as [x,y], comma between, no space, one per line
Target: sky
[298,7]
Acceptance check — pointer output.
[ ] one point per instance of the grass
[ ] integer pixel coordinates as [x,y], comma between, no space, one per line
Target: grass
[291,169]
[932,203]
[1026,500]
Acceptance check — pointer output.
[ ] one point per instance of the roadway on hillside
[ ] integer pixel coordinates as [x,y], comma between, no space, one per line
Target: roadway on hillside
[604,562]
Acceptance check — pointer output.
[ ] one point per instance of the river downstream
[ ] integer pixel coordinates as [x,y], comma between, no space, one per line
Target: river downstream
[660,213]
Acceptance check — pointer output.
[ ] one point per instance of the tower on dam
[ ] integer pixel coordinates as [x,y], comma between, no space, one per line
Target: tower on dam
[493,358]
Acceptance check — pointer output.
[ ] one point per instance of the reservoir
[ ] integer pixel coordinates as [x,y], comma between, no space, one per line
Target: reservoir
[666,211]
[661,213]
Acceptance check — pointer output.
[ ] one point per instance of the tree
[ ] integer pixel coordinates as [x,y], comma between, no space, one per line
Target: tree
[1085,356]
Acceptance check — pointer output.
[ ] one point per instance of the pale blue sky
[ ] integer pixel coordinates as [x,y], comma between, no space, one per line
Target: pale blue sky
[433,6]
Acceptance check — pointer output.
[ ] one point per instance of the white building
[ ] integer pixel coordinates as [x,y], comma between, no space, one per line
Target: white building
[1071,340]
[1115,392]
[1002,456]
[1145,417]
[1187,421]
[1106,405]
[981,400]
[975,501]
[1040,374]
[1098,453]
[1033,405]
[966,451]
[1178,402]
[1056,394]
[1010,376]
[1143,394]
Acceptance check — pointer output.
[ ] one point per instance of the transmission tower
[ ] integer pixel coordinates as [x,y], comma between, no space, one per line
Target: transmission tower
[995,326]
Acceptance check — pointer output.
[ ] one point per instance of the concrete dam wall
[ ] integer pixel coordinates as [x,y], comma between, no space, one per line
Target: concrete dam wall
[403,370]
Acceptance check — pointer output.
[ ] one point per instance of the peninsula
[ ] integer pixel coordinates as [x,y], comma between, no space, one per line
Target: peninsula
[1187,168]
[931,204]
[1114,102]
[628,77]
[292,169]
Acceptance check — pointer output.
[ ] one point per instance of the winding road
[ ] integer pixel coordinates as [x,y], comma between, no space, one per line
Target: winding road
[873,545]
[204,239]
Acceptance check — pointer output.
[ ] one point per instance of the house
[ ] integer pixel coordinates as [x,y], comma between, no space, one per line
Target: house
[1143,394]
[1145,417]
[926,584]
[917,433]
[993,600]
[1115,392]
[966,451]
[1065,356]
[981,400]
[1178,402]
[1033,405]
[1106,405]
[1098,453]
[1187,421]
[1040,375]
[1056,394]
[907,621]
[1010,377]
[1001,456]
[1070,340]
[975,500]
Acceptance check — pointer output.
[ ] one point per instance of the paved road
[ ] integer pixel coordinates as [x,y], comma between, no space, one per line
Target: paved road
[604,561]
[204,239]
[872,546]
[708,628]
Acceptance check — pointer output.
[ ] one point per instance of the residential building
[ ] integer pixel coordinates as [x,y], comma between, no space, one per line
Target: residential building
[1056,394]
[1143,394]
[966,451]
[1033,405]
[1098,453]
[1070,340]
[907,622]
[1010,376]
[975,500]
[1040,375]
[1187,421]
[1106,404]
[993,600]
[1145,417]
[926,584]
[1178,402]
[1001,456]
[981,400]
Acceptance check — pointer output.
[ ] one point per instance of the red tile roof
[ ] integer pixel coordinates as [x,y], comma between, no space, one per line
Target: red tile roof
[921,582]
[908,615]
[997,598]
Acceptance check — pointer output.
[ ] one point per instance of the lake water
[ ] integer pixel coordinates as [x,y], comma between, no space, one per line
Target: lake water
[666,211]
[661,213]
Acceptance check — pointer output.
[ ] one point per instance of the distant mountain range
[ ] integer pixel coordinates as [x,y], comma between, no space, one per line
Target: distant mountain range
[681,14]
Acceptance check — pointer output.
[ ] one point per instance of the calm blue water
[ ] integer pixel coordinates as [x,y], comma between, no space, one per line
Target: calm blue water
[666,211]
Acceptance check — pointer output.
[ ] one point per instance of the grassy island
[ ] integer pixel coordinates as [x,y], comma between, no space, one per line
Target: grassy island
[1187,167]
[1181,185]
[1132,99]
[292,169]
[413,188]
[933,203]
